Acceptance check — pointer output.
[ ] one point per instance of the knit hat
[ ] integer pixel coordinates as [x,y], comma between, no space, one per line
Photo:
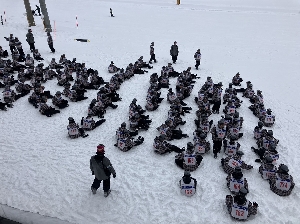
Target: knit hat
[100,149]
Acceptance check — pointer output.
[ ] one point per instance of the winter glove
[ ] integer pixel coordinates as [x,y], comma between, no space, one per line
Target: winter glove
[114,175]
[255,204]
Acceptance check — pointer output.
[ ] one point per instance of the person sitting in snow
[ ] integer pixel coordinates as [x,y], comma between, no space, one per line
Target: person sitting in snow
[54,65]
[112,68]
[134,109]
[58,101]
[203,123]
[175,118]
[267,140]
[23,88]
[172,97]
[3,53]
[201,145]
[138,121]
[29,61]
[123,131]
[239,207]
[231,146]
[74,131]
[249,92]
[170,71]
[37,56]
[96,80]
[62,59]
[267,169]
[45,109]
[9,96]
[35,98]
[188,160]
[163,81]
[161,146]
[89,123]
[231,162]
[188,184]
[230,108]
[96,108]
[233,130]
[237,80]
[105,98]
[257,130]
[282,182]
[268,119]
[170,132]
[235,181]
[142,64]
[72,94]
[125,142]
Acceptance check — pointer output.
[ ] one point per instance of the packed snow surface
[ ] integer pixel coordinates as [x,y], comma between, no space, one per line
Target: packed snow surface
[45,172]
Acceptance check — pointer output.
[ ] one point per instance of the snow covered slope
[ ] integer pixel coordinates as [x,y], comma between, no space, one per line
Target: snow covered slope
[43,171]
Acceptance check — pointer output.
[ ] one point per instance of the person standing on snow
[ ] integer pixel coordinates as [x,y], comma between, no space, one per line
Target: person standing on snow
[197,57]
[152,54]
[50,42]
[174,52]
[30,40]
[11,42]
[102,168]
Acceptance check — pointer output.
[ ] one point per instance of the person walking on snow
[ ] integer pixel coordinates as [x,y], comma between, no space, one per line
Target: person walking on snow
[102,168]
[174,52]
[111,13]
[38,10]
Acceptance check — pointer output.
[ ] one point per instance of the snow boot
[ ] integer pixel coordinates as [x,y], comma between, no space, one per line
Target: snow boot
[139,141]
[94,190]
[106,193]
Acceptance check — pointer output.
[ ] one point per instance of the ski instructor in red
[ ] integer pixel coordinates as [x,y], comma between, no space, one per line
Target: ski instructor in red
[102,169]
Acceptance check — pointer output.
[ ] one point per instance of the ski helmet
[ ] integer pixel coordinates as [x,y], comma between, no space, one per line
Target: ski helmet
[268,159]
[283,168]
[270,132]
